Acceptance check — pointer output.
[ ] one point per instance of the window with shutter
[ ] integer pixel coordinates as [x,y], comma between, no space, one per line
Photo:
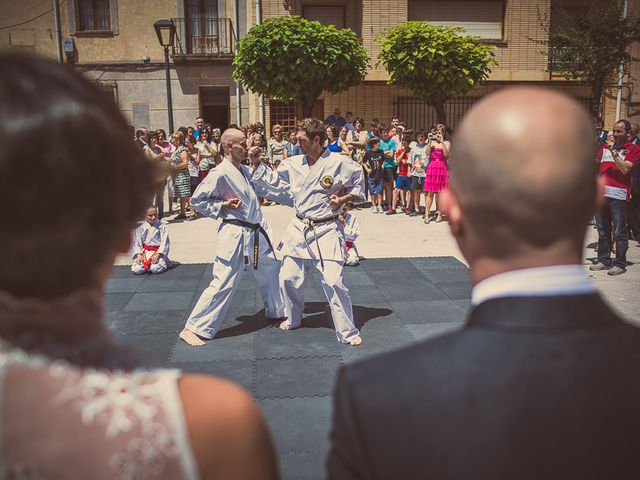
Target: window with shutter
[94,15]
[481,18]
[325,14]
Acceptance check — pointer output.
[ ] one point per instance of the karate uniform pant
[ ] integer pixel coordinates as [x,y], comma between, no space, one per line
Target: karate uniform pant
[208,314]
[159,267]
[292,275]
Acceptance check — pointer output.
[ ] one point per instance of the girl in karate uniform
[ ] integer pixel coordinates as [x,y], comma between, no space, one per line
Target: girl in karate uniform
[150,245]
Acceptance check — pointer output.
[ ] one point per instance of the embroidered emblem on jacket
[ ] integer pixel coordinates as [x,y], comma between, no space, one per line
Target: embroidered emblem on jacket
[326,181]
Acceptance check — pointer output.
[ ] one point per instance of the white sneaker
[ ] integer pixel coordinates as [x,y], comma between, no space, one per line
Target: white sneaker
[378,210]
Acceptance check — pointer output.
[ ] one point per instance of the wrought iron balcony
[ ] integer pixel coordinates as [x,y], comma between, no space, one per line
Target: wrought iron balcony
[562,58]
[203,38]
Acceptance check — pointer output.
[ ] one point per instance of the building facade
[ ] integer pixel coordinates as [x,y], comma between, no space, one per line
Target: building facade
[113,42]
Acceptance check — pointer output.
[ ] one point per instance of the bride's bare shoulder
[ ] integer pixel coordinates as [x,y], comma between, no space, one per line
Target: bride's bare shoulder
[228,434]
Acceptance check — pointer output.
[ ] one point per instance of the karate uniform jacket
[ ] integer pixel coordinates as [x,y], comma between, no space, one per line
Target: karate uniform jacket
[222,183]
[155,235]
[310,190]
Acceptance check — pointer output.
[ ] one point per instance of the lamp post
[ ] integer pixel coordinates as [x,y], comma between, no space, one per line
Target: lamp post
[166,32]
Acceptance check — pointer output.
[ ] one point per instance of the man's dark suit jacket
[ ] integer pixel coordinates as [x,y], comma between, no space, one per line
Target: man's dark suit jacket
[531,388]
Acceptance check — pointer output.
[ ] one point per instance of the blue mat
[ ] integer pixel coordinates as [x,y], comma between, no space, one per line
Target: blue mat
[396,302]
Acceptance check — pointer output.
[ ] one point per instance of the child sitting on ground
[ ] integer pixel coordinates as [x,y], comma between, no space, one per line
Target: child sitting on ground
[351,231]
[150,245]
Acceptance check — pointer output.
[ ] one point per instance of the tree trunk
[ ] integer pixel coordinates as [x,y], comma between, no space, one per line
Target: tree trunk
[307,108]
[312,94]
[597,89]
[440,112]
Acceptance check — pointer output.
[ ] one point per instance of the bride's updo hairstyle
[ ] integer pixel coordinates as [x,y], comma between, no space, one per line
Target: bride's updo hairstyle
[72,180]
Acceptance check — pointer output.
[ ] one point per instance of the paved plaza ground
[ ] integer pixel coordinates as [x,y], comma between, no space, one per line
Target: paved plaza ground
[412,285]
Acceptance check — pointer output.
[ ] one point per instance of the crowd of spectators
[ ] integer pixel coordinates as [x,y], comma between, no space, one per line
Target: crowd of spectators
[404,168]
[401,165]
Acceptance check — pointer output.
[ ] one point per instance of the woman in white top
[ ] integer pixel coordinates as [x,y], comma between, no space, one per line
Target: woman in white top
[276,148]
[74,405]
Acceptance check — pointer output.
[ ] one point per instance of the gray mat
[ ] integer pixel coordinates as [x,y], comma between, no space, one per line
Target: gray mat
[396,302]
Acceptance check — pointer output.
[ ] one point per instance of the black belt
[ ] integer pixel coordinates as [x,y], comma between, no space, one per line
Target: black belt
[257,230]
[311,225]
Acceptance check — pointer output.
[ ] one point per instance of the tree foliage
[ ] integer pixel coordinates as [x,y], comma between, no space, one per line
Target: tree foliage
[293,58]
[592,44]
[436,63]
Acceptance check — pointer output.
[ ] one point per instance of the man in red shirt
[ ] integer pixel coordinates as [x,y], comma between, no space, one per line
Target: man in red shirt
[617,158]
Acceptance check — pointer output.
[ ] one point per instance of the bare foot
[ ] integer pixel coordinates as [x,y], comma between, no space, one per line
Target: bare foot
[191,338]
[354,342]
[284,326]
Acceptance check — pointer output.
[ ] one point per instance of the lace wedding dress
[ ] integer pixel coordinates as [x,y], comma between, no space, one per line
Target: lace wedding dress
[75,406]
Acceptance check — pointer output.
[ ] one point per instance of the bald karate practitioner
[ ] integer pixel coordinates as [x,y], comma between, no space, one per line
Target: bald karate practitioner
[542,382]
[227,194]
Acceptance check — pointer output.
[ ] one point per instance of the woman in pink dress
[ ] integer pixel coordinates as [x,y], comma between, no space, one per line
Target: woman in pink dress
[437,173]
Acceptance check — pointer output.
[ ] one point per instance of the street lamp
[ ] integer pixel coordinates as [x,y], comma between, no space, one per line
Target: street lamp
[166,31]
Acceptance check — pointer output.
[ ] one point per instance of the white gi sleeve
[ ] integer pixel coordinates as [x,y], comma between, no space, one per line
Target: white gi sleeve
[273,184]
[205,199]
[164,241]
[137,241]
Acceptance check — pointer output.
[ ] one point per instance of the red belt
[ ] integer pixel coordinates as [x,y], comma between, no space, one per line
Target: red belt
[151,248]
[349,246]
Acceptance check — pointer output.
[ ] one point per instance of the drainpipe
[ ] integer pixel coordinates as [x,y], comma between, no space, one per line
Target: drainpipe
[261,98]
[237,29]
[621,71]
[56,19]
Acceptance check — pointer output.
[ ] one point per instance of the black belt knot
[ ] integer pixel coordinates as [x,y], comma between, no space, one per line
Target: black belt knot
[257,229]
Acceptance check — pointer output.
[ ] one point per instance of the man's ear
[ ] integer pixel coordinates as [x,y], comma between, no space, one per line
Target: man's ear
[448,204]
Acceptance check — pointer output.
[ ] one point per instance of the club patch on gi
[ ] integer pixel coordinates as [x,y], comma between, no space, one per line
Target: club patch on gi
[326,181]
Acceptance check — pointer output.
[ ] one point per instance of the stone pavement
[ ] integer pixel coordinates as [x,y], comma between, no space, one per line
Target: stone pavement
[412,286]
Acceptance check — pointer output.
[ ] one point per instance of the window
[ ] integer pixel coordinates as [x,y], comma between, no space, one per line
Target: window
[88,17]
[325,14]
[94,15]
[202,26]
[283,113]
[482,18]
[562,13]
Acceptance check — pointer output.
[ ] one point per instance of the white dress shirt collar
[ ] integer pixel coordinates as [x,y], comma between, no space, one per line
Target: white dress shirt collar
[551,281]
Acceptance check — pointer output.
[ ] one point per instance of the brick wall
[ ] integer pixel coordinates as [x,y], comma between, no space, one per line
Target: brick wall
[519,54]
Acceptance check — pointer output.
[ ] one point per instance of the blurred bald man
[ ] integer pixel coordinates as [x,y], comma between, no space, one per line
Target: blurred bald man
[542,382]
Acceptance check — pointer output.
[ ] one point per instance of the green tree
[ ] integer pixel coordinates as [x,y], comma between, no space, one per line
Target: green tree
[592,44]
[293,58]
[436,63]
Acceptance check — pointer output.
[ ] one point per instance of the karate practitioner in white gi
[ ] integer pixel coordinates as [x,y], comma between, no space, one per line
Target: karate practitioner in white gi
[320,183]
[150,245]
[226,193]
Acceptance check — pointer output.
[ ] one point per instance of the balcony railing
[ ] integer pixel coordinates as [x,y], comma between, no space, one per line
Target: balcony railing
[560,57]
[204,37]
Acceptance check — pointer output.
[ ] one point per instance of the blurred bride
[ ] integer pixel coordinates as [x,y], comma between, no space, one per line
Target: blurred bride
[74,405]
